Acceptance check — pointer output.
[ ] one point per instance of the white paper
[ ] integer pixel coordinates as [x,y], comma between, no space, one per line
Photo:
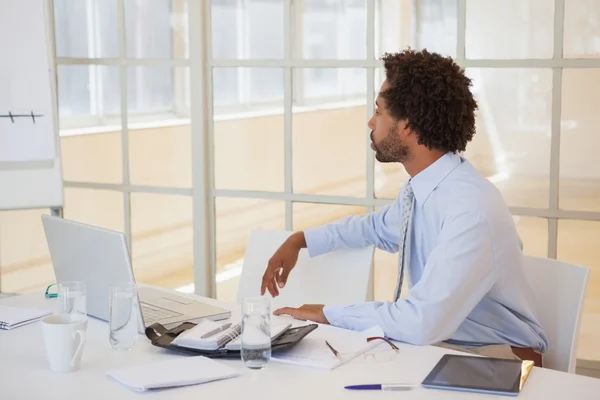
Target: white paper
[13,317]
[26,119]
[313,352]
[181,371]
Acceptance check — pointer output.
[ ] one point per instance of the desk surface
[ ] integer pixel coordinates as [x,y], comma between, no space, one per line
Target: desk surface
[24,373]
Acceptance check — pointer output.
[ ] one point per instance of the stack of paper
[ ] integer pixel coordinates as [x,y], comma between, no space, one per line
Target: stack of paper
[13,317]
[172,373]
[312,351]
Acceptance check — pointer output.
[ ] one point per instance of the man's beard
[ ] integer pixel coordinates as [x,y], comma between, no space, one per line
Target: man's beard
[391,149]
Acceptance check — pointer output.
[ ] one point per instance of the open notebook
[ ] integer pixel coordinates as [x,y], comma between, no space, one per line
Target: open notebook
[229,339]
[313,351]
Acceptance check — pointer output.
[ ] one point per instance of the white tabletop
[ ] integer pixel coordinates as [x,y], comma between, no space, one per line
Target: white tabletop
[24,373]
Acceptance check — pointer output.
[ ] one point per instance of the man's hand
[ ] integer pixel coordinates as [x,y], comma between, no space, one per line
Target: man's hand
[308,312]
[281,264]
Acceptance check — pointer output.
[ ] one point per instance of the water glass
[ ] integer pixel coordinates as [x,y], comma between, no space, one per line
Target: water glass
[256,332]
[72,299]
[123,317]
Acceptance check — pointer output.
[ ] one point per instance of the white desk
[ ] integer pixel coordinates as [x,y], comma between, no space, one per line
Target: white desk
[24,373]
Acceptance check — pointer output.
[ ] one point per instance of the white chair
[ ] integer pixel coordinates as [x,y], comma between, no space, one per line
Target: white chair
[559,290]
[338,278]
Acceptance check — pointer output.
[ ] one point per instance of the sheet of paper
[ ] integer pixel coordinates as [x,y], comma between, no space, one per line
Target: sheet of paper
[26,119]
[313,352]
[181,371]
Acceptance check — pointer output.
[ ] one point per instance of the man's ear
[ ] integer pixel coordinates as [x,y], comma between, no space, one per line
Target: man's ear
[403,131]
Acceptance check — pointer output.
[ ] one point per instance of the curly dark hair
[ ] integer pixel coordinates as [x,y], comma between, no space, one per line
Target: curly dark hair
[432,93]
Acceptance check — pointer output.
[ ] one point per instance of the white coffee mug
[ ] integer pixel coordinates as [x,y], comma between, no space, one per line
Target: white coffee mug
[64,337]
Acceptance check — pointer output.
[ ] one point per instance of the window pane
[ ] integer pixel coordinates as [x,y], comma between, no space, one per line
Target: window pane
[159,144]
[333,29]
[581,29]
[151,90]
[88,96]
[249,147]
[312,85]
[309,215]
[247,89]
[25,262]
[102,208]
[330,139]
[437,26]
[92,158]
[578,244]
[235,218]
[86,29]
[512,144]
[385,272]
[249,29]
[226,89]
[161,156]
[157,28]
[397,27]
[389,178]
[579,145]
[534,235]
[507,29]
[162,235]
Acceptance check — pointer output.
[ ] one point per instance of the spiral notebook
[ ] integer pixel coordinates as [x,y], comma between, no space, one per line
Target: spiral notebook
[13,317]
[229,339]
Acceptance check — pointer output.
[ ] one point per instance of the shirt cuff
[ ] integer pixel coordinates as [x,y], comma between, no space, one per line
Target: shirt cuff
[334,315]
[317,242]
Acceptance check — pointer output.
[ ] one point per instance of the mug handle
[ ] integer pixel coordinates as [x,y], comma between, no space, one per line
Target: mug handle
[81,335]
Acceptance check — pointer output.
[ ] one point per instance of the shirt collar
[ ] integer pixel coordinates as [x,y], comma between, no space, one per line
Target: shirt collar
[424,183]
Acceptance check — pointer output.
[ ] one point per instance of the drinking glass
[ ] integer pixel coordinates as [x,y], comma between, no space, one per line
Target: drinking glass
[123,317]
[72,299]
[256,332]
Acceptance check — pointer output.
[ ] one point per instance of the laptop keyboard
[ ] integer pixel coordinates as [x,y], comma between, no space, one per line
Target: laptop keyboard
[153,314]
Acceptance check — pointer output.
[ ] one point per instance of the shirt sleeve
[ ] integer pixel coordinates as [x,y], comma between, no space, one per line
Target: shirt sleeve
[458,274]
[381,229]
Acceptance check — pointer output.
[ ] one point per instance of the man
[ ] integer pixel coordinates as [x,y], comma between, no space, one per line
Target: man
[455,235]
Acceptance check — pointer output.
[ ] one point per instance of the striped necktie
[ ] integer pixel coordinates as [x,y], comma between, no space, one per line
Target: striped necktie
[404,247]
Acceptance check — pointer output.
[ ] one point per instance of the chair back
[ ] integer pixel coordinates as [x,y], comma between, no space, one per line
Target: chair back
[559,289]
[337,278]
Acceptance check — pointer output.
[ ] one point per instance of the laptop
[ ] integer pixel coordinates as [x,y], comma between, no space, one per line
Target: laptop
[100,257]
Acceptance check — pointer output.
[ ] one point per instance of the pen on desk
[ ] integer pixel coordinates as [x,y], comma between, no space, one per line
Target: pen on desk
[383,386]
[216,330]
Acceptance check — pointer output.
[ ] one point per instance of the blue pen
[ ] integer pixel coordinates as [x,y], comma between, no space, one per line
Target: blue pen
[382,386]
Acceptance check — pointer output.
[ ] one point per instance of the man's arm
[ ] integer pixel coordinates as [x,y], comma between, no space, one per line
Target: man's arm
[381,229]
[459,273]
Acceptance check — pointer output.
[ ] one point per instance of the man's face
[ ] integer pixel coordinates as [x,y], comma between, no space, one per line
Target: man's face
[385,133]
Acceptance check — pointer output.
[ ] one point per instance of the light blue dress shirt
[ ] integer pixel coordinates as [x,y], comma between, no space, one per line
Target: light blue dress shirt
[465,273]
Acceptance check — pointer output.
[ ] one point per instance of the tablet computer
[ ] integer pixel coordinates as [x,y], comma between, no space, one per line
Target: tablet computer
[478,374]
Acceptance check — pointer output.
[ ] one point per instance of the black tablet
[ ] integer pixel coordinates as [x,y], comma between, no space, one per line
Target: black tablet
[476,374]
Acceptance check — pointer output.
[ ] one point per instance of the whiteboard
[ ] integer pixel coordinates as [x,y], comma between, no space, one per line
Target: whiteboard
[30,168]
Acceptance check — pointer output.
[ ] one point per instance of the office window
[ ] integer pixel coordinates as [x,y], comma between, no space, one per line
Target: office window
[90,95]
